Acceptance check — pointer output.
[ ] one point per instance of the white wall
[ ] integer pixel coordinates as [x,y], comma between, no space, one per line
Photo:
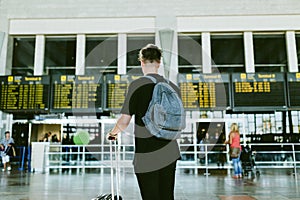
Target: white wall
[121,8]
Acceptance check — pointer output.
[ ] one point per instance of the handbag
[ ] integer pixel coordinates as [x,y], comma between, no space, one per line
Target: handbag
[234,152]
[10,151]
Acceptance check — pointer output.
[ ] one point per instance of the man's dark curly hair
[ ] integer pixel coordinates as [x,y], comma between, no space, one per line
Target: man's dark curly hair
[150,53]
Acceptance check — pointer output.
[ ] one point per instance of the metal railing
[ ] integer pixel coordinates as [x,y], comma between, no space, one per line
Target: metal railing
[264,155]
[82,157]
[194,156]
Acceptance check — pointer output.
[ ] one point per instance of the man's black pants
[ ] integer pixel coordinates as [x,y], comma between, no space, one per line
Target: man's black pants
[158,185]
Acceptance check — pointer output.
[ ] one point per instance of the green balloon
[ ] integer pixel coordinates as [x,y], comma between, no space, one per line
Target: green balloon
[81,137]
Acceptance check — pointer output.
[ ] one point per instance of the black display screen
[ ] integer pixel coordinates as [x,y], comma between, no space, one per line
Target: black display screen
[258,91]
[293,86]
[116,90]
[76,93]
[24,93]
[204,91]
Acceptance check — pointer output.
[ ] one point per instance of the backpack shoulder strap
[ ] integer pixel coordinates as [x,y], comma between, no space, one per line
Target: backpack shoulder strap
[154,79]
[151,78]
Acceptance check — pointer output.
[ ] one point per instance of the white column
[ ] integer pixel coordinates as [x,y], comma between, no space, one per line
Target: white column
[6,49]
[166,29]
[166,38]
[9,122]
[249,52]
[39,55]
[174,60]
[80,54]
[161,69]
[122,53]
[3,53]
[291,51]
[9,55]
[206,53]
[2,34]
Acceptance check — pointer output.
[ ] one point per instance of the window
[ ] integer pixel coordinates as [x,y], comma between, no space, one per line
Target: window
[60,55]
[260,126]
[134,44]
[189,53]
[270,52]
[298,49]
[23,56]
[101,54]
[227,52]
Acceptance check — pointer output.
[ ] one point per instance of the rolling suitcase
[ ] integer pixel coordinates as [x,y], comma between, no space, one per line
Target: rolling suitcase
[114,178]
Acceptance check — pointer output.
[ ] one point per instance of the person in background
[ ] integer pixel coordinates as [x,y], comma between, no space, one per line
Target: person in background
[5,145]
[54,138]
[204,147]
[47,137]
[66,141]
[205,140]
[234,142]
[188,147]
[155,159]
[219,147]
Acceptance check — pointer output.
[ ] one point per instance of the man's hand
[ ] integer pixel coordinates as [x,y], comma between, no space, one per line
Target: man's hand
[111,136]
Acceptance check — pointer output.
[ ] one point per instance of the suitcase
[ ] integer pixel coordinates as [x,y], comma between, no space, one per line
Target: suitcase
[114,178]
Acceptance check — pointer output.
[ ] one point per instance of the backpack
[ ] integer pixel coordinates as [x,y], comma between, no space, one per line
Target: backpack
[165,116]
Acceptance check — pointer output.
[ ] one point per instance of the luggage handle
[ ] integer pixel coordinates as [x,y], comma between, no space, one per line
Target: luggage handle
[113,143]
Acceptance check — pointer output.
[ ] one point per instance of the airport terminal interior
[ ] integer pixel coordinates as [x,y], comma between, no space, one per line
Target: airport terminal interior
[64,73]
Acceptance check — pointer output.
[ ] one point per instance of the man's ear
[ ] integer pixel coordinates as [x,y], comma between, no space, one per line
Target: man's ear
[158,65]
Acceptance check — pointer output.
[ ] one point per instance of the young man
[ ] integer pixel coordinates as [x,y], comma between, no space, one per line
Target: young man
[155,159]
[6,143]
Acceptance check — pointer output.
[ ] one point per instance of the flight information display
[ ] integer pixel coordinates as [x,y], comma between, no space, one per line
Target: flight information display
[204,91]
[264,91]
[76,93]
[116,90]
[293,84]
[24,93]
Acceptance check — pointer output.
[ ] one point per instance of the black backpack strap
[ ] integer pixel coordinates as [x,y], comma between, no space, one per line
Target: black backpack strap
[151,78]
[154,80]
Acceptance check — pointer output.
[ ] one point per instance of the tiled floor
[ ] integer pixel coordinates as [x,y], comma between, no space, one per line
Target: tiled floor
[272,184]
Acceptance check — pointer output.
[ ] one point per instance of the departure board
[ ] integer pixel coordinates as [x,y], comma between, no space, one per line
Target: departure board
[76,93]
[204,91]
[293,86]
[116,90]
[24,93]
[258,91]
